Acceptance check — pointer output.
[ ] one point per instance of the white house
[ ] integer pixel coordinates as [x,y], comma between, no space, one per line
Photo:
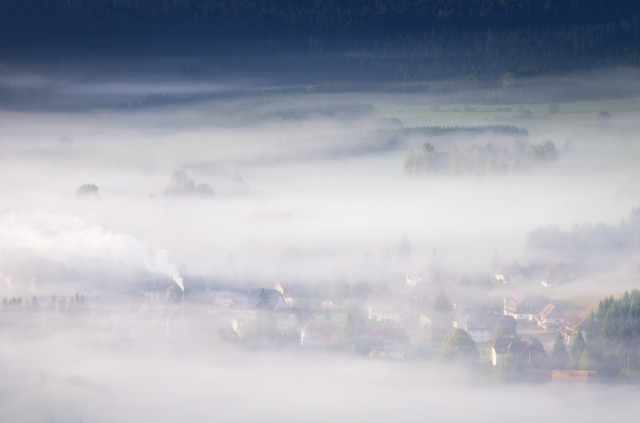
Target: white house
[523,307]
[479,328]
[528,350]
[388,313]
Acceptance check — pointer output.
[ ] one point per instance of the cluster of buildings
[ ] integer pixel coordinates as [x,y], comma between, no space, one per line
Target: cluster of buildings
[408,320]
[548,317]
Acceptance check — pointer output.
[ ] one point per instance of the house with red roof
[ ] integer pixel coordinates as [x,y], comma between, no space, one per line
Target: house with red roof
[550,318]
[523,307]
[575,318]
[529,351]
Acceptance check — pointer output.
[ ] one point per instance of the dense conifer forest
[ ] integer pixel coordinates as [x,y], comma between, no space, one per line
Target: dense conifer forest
[401,40]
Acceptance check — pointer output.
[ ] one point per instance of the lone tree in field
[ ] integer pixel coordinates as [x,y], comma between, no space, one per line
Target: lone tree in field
[85,190]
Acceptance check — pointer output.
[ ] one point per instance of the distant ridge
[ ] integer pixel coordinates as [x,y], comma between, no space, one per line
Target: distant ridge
[425,38]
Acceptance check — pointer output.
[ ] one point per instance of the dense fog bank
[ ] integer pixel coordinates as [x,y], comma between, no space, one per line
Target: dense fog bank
[81,377]
[240,248]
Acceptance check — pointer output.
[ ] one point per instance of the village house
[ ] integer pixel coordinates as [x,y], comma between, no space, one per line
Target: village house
[509,273]
[528,351]
[433,323]
[319,334]
[388,342]
[388,313]
[550,318]
[555,273]
[225,302]
[523,307]
[420,277]
[506,326]
[218,301]
[273,297]
[242,323]
[479,327]
[224,299]
[413,278]
[424,321]
[575,319]
[161,293]
[286,292]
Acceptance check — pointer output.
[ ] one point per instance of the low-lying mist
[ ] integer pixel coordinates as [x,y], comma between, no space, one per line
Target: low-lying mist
[217,190]
[78,376]
[327,186]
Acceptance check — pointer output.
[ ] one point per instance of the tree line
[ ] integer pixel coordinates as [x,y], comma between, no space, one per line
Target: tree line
[388,16]
[608,344]
[73,304]
[478,160]
[397,39]
[587,238]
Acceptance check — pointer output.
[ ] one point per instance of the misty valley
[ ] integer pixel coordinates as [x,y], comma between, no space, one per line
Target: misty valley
[282,243]
[319,211]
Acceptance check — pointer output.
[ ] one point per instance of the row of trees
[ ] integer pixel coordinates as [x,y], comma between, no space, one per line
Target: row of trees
[87,190]
[574,358]
[587,239]
[614,336]
[478,160]
[72,304]
[15,303]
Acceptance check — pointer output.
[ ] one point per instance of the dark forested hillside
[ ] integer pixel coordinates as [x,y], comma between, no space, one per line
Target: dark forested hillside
[397,39]
[309,17]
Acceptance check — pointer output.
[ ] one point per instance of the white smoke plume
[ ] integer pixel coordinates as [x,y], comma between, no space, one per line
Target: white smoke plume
[70,240]
[160,263]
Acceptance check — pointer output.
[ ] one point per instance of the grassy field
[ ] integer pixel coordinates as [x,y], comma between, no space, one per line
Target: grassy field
[492,114]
